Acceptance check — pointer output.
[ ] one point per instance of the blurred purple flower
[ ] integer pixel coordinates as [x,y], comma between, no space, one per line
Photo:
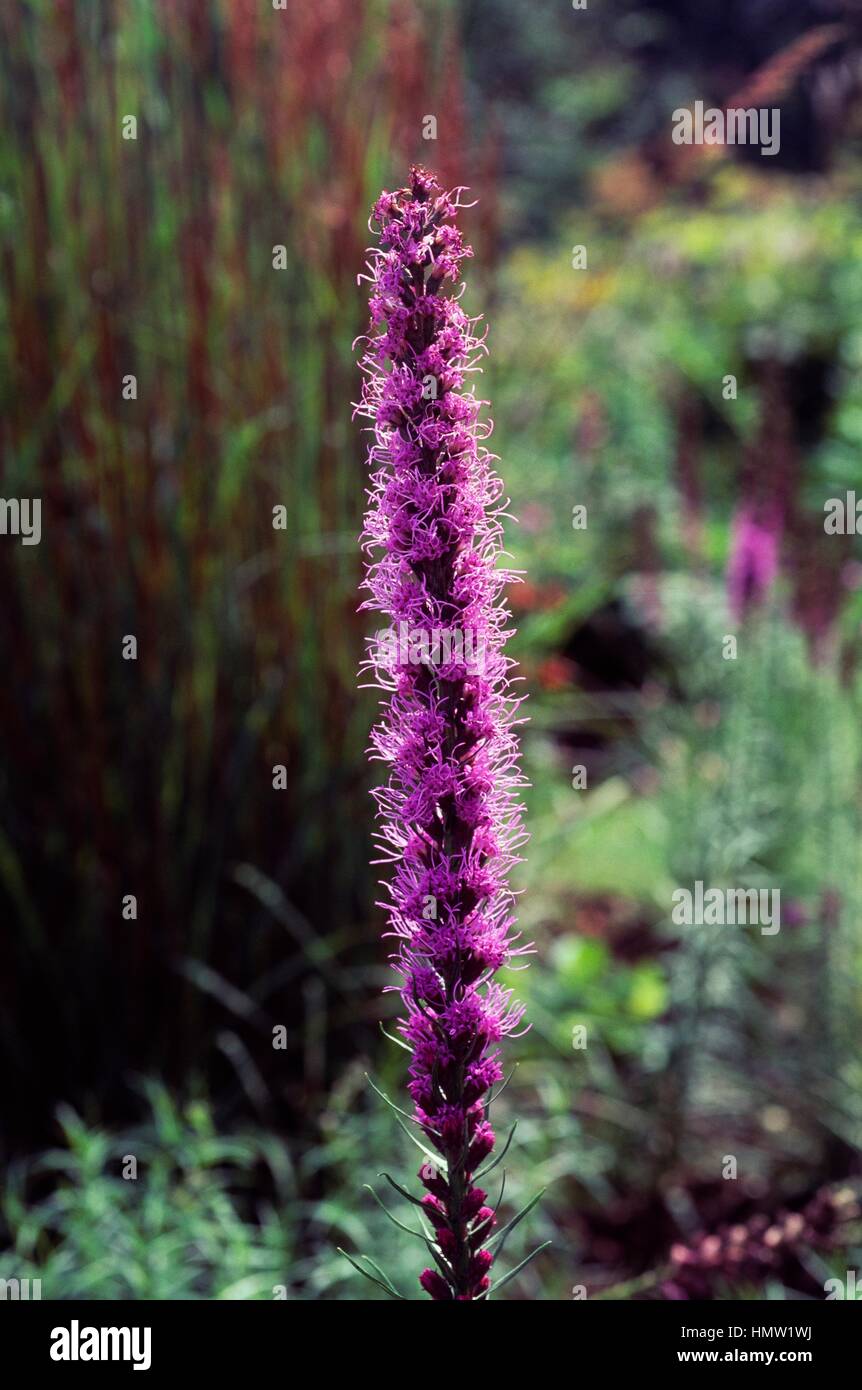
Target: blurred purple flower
[753,562]
[451,820]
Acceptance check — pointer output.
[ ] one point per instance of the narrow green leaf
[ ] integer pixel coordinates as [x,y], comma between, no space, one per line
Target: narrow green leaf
[517,1270]
[499,1200]
[500,1156]
[436,1159]
[398,1188]
[442,1264]
[397,1041]
[386,1287]
[490,1101]
[391,1103]
[384,1276]
[510,1225]
[420,1235]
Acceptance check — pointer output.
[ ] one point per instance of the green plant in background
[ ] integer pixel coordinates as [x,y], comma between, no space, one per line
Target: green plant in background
[183,200]
[742,772]
[163,1211]
[203,1214]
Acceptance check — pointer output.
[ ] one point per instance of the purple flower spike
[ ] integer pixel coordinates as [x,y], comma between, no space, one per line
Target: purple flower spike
[451,820]
[753,563]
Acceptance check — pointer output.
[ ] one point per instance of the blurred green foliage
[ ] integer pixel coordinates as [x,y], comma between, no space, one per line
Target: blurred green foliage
[177,1229]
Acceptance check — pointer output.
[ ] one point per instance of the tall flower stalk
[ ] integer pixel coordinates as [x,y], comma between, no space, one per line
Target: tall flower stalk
[450,816]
